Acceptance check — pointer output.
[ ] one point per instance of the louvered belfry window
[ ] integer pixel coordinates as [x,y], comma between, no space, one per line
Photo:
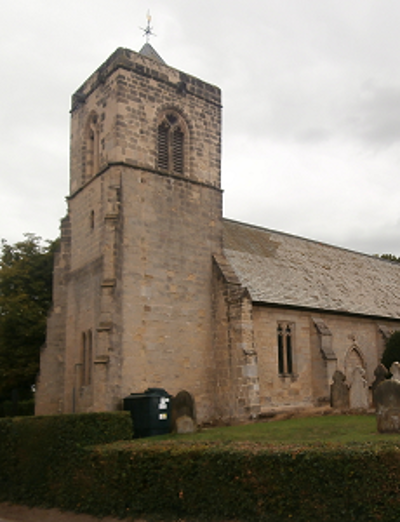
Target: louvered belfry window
[163,131]
[171,140]
[177,150]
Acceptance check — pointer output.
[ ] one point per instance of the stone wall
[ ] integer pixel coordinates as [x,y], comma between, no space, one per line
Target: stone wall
[171,228]
[236,395]
[49,397]
[353,341]
[128,94]
[289,390]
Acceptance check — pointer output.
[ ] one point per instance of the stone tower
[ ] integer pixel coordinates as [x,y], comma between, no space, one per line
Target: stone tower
[132,304]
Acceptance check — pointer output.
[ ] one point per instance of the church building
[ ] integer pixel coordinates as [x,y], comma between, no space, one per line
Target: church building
[153,288]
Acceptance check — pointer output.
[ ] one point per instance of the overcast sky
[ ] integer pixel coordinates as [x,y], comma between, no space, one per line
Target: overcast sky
[311,106]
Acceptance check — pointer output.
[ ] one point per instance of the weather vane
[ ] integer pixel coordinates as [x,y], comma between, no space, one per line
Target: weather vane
[148,31]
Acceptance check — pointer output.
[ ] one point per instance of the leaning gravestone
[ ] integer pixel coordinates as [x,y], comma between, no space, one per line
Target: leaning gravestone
[183,413]
[387,400]
[339,391]
[358,390]
[381,374]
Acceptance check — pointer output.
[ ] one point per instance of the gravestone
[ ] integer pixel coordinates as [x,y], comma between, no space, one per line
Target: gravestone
[185,424]
[183,414]
[381,374]
[395,371]
[339,391]
[358,390]
[387,400]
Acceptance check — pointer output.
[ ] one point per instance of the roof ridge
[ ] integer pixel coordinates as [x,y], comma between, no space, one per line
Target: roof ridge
[309,240]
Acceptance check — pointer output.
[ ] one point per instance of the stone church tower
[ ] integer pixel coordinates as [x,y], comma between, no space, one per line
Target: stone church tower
[133,278]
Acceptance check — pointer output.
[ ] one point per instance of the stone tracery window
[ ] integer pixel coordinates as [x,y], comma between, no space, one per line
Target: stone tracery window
[353,359]
[171,144]
[285,348]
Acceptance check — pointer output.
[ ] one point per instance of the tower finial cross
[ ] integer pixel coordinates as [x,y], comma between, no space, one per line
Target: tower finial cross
[148,31]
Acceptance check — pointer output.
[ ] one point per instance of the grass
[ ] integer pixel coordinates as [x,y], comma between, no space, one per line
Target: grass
[332,429]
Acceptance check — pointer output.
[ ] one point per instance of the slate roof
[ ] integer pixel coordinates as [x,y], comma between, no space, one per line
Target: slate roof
[149,51]
[282,269]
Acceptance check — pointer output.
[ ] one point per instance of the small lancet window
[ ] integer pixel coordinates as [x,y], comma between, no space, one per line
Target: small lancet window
[83,359]
[285,349]
[86,358]
[92,146]
[89,358]
[171,144]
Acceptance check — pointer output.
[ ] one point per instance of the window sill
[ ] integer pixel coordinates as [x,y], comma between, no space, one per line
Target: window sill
[292,376]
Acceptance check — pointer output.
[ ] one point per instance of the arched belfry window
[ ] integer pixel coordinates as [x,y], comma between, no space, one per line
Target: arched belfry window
[92,146]
[171,144]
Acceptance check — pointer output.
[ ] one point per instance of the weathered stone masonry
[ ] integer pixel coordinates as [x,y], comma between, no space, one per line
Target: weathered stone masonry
[153,288]
[142,238]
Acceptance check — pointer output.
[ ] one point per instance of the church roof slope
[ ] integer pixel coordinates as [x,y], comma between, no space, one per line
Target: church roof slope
[286,270]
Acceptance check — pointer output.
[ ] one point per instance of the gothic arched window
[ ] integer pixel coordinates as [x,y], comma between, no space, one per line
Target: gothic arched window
[171,144]
[353,359]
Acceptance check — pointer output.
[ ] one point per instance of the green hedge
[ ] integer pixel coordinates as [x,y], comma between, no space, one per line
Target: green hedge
[224,482]
[63,462]
[24,408]
[7,456]
[39,454]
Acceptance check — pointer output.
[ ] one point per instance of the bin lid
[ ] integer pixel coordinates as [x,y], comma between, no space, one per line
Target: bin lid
[156,392]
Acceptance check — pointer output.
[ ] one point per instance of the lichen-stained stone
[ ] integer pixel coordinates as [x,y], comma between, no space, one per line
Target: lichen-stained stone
[185,424]
[387,400]
[358,390]
[395,371]
[183,413]
[339,391]
[381,374]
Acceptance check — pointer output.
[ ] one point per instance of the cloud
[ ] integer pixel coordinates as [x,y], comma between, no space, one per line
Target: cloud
[310,95]
[374,116]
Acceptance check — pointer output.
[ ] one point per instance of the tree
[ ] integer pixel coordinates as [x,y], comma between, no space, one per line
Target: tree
[390,257]
[391,353]
[25,297]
